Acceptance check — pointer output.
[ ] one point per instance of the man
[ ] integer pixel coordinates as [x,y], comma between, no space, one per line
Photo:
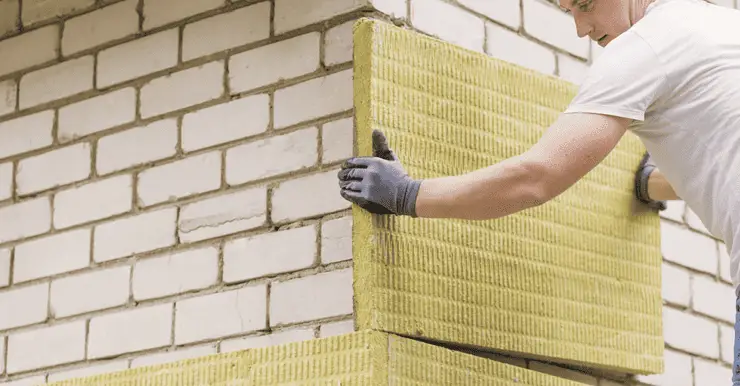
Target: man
[670,72]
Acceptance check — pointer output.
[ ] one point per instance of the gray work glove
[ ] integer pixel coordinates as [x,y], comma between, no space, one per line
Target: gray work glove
[379,183]
[641,183]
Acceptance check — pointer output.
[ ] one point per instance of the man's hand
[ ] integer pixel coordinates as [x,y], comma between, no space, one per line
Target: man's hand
[379,184]
[641,183]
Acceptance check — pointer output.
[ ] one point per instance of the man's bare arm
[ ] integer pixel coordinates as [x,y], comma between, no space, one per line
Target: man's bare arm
[659,188]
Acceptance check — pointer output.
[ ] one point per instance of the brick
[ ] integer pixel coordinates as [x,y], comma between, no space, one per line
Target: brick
[16,56]
[272,156]
[6,181]
[549,24]
[337,328]
[393,8]
[269,254]
[218,33]
[677,371]
[703,339]
[337,141]
[56,82]
[676,285]
[275,62]
[313,99]
[724,263]
[89,371]
[90,291]
[4,276]
[175,91]
[449,23]
[274,339]
[8,95]
[293,14]
[674,210]
[37,10]
[504,12]
[193,175]
[336,240]
[142,56]
[27,381]
[24,134]
[710,373]
[9,12]
[571,70]
[97,114]
[52,255]
[25,219]
[338,43]
[134,147]
[693,221]
[51,169]
[323,295]
[221,314]
[173,356]
[508,46]
[160,12]
[2,352]
[307,196]
[237,119]
[141,233]
[103,198]
[93,29]
[713,298]
[138,329]
[24,306]
[223,215]
[688,248]
[174,273]
[727,343]
[47,346]
[562,373]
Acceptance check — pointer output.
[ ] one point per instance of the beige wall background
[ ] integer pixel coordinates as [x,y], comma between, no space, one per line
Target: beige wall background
[167,180]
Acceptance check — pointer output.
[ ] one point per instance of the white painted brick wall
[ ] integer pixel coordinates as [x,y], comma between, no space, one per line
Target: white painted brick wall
[337,328]
[727,343]
[687,248]
[90,291]
[713,298]
[237,119]
[223,215]
[135,330]
[269,254]
[4,272]
[52,255]
[272,156]
[708,373]
[337,141]
[676,285]
[338,44]
[24,305]
[313,99]
[161,12]
[173,356]
[27,381]
[47,346]
[221,314]
[242,26]
[293,14]
[8,96]
[97,114]
[393,8]
[449,23]
[25,219]
[572,70]
[57,167]
[678,371]
[89,371]
[115,22]
[8,20]
[193,175]
[26,133]
[38,10]
[307,196]
[173,273]
[103,198]
[136,234]
[56,82]
[133,147]
[336,240]
[508,46]
[275,338]
[137,58]
[507,13]
[313,297]
[175,91]
[6,181]
[16,56]
[269,64]
[704,336]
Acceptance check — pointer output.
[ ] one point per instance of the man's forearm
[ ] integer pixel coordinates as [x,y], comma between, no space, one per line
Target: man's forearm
[659,188]
[492,192]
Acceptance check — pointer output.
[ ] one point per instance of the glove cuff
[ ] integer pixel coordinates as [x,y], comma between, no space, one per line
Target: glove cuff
[408,201]
[641,184]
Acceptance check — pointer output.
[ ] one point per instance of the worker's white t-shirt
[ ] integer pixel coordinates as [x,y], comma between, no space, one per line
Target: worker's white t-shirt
[676,72]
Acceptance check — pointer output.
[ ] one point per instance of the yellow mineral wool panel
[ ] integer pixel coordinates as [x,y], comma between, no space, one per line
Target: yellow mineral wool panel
[576,280]
[360,358]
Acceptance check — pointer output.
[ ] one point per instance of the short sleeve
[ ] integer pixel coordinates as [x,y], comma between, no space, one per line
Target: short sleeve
[625,80]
